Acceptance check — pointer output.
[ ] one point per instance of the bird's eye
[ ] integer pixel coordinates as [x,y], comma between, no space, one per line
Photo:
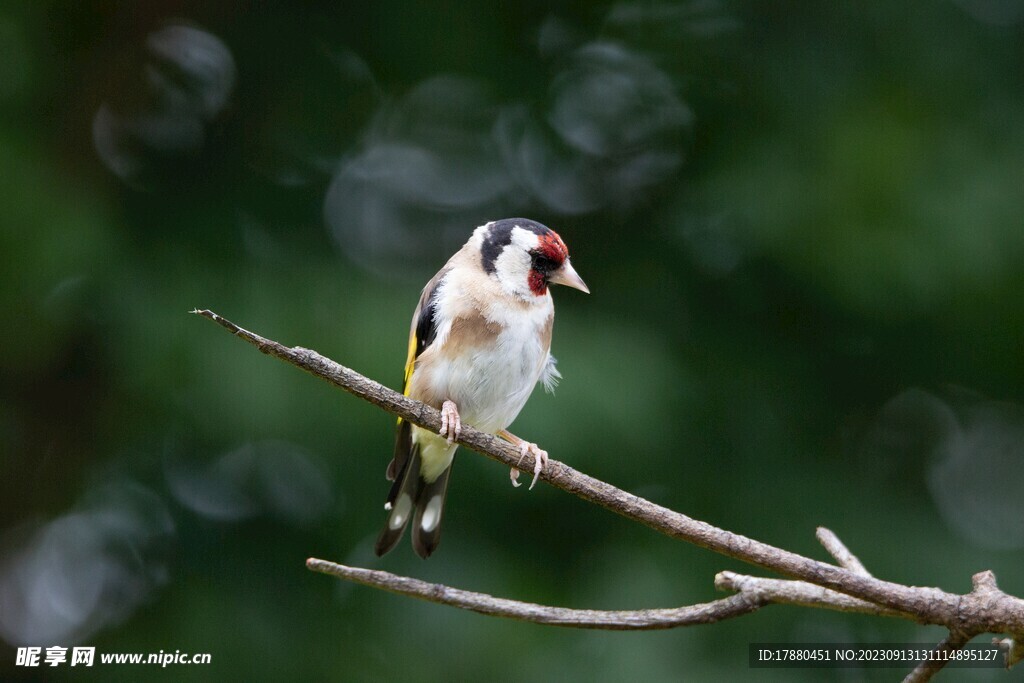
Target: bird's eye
[543,264]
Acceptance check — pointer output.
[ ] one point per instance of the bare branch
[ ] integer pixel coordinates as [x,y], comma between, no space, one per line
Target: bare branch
[840,552]
[984,609]
[628,620]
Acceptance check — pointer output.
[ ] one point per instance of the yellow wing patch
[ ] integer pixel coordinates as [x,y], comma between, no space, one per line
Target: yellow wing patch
[422,329]
[410,363]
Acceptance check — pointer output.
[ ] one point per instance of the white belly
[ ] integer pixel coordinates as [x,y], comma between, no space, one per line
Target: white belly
[489,388]
[493,385]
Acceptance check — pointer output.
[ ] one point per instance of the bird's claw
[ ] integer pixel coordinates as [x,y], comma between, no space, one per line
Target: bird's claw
[451,423]
[540,460]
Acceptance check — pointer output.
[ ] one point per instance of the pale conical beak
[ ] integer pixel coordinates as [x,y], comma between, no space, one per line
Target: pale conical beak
[567,276]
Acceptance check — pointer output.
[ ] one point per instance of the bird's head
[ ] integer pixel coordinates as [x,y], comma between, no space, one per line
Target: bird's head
[525,257]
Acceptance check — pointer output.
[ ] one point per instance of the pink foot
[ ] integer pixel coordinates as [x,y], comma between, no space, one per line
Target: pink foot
[540,459]
[451,424]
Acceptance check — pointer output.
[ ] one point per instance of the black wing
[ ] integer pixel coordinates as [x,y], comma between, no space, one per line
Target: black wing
[421,335]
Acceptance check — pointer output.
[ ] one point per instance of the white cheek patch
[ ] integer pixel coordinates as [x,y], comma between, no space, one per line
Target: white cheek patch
[402,507]
[525,240]
[432,514]
[513,263]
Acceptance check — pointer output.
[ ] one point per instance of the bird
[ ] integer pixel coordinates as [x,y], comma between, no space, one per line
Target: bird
[480,341]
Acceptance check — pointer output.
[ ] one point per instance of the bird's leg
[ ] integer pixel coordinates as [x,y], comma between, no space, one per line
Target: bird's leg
[540,456]
[451,423]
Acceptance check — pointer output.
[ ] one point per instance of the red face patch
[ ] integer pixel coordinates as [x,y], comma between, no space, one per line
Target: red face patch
[549,255]
[552,246]
[538,283]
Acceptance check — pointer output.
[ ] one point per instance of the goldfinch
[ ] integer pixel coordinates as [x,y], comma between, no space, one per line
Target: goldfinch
[480,341]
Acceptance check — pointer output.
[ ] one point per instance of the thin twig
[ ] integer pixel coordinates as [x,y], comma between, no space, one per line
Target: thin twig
[840,552]
[617,620]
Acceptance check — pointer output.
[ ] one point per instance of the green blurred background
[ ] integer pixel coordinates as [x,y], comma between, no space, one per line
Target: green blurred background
[801,223]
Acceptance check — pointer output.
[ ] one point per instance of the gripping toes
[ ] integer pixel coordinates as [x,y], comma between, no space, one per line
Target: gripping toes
[540,460]
[513,474]
[451,424]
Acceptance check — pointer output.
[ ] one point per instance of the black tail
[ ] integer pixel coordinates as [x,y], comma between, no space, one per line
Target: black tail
[426,530]
[401,500]
[411,496]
